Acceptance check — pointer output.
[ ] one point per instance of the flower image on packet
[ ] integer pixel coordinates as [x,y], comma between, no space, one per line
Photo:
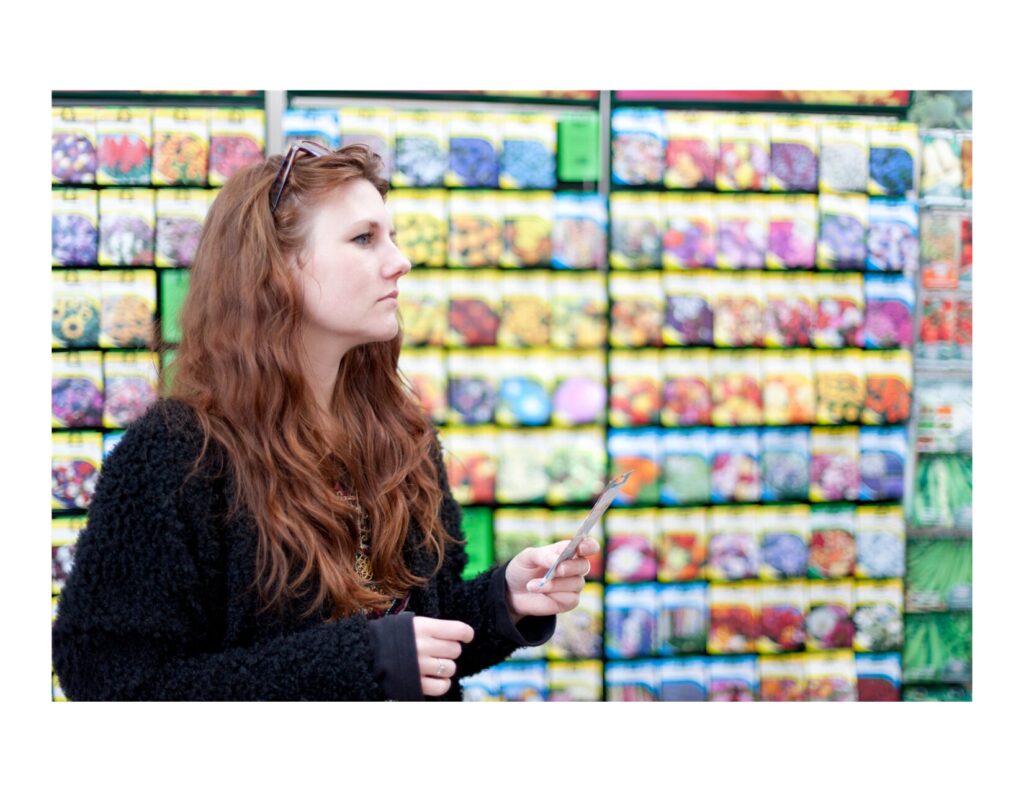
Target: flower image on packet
[473,150]
[421,149]
[682,544]
[839,318]
[528,219]
[685,467]
[638,309]
[733,544]
[471,460]
[632,682]
[732,679]
[639,451]
[843,166]
[76,390]
[475,228]
[528,151]
[831,677]
[785,534]
[840,386]
[427,376]
[881,542]
[579,310]
[127,227]
[691,150]
[893,155]
[742,226]
[421,221]
[887,376]
[793,165]
[635,388]
[736,398]
[829,620]
[788,390]
[683,679]
[237,139]
[835,464]
[636,230]
[785,464]
[782,618]
[738,306]
[474,306]
[181,146]
[686,389]
[878,616]
[578,682]
[638,146]
[690,236]
[320,125]
[179,222]
[883,459]
[682,618]
[792,222]
[888,312]
[631,620]
[575,464]
[789,309]
[525,310]
[893,241]
[782,679]
[579,231]
[842,232]
[580,394]
[630,553]
[373,127]
[832,550]
[124,140]
[689,318]
[75,226]
[131,380]
[423,306]
[742,152]
[76,309]
[76,457]
[73,144]
[473,381]
[128,308]
[733,618]
[63,539]
[879,677]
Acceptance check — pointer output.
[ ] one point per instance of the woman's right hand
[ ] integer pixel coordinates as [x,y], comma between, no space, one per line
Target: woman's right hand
[438,645]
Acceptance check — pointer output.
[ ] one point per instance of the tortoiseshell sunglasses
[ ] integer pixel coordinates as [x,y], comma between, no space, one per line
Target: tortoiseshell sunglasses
[305,146]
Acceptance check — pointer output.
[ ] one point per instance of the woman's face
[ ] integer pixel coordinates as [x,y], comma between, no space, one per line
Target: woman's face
[350,271]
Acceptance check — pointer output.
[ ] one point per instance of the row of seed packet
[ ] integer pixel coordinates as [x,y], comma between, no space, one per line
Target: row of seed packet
[762,152]
[103,309]
[753,388]
[770,543]
[756,309]
[489,228]
[163,146]
[553,466]
[947,165]
[694,231]
[102,389]
[513,310]
[579,681]
[946,331]
[435,149]
[947,248]
[128,227]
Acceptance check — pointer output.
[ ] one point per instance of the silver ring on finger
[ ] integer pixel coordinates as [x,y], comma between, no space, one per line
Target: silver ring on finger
[440,668]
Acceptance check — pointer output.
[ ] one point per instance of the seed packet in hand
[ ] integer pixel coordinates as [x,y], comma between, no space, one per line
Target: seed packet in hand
[638,309]
[630,553]
[689,320]
[881,542]
[76,309]
[742,225]
[844,157]
[792,231]
[636,231]
[579,311]
[682,618]
[471,461]
[686,390]
[575,465]
[528,151]
[686,470]
[782,678]
[785,463]
[733,544]
[785,535]
[563,525]
[638,146]
[733,618]
[831,677]
[421,149]
[829,621]
[691,150]
[878,615]
[527,229]
[635,383]
[423,304]
[75,226]
[579,231]
[473,150]
[684,679]
[124,145]
[782,618]
[77,390]
[682,544]
[794,154]
[73,144]
[631,614]
[637,451]
[516,529]
[690,235]
[127,227]
[131,381]
[788,389]
[833,545]
[735,465]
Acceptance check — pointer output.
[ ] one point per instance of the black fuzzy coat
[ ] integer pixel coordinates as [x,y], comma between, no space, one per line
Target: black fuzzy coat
[160,604]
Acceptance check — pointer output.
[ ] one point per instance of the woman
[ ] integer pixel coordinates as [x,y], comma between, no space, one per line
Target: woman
[281,526]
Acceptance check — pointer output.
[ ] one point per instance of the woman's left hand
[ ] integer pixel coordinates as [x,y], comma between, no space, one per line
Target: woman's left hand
[561,593]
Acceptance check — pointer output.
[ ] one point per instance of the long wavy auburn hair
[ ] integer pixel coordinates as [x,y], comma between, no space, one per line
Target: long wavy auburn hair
[238,367]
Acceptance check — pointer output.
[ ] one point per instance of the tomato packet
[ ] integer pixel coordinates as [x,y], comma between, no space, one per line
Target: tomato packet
[782,618]
[631,620]
[738,310]
[74,225]
[690,231]
[525,310]
[638,146]
[579,310]
[782,679]
[75,461]
[684,680]
[888,378]
[937,327]
[421,225]
[733,544]
[835,464]
[580,394]
[736,398]
[73,145]
[689,316]
[473,381]
[579,232]
[878,616]
[427,377]
[883,461]
[839,382]
[575,462]
[792,222]
[423,305]
[691,150]
[76,390]
[879,677]
[181,146]
[843,166]
[789,309]
[894,152]
[636,230]
[521,479]
[128,301]
[686,467]
[829,620]
[682,618]
[524,389]
[732,679]
[474,306]
[77,305]
[686,393]
[638,309]
[831,677]
[742,226]
[793,165]
[842,232]
[528,219]
[881,542]
[130,380]
[638,450]
[941,252]
[733,618]
[785,534]
[785,464]
[421,149]
[682,544]
[127,227]
[788,388]
[888,312]
[635,383]
[373,127]
[473,150]
[893,241]
[742,152]
[124,141]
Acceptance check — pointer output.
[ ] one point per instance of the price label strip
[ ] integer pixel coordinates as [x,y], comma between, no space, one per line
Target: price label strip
[595,514]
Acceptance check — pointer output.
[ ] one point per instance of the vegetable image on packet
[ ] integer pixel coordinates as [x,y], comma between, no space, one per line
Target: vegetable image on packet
[782,618]
[942,170]
[639,451]
[831,677]
[423,305]
[735,465]
[782,679]
[832,551]
[835,464]
[742,226]
[939,575]
[630,554]
[471,460]
[691,150]
[631,682]
[73,145]
[527,230]
[76,310]
[575,466]
[638,146]
[522,467]
[579,310]
[515,529]
[685,467]
[631,620]
[839,318]
[829,620]
[427,376]
[682,618]
[76,457]
[742,153]
[738,308]
[844,157]
[789,309]
[181,146]
[579,231]
[475,226]
[690,237]
[967,163]
[124,145]
[733,626]
[473,150]
[128,301]
[736,398]
[878,616]
[683,680]
[792,222]
[887,384]
[686,389]
[785,533]
[788,391]
[732,679]
[785,464]
[237,139]
[127,227]
[733,544]
[937,646]
[77,390]
[580,389]
[878,677]
[682,544]
[179,222]
[888,312]
[839,381]
[941,240]
[881,542]
[842,232]
[638,309]
[473,382]
[892,159]
[938,326]
[893,241]
[318,125]
[131,381]
[474,304]
[421,224]
[793,166]
[579,632]
[421,149]
[636,230]
[635,388]
[883,459]
[579,682]
[525,310]
[74,226]
[689,318]
[528,151]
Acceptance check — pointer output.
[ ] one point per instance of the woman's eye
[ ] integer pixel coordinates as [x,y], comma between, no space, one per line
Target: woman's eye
[363,238]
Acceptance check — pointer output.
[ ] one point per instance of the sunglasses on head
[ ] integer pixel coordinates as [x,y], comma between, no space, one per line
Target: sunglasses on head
[304,146]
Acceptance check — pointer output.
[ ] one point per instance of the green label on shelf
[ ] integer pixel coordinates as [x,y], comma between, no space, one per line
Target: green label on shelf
[476,526]
[578,147]
[173,287]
